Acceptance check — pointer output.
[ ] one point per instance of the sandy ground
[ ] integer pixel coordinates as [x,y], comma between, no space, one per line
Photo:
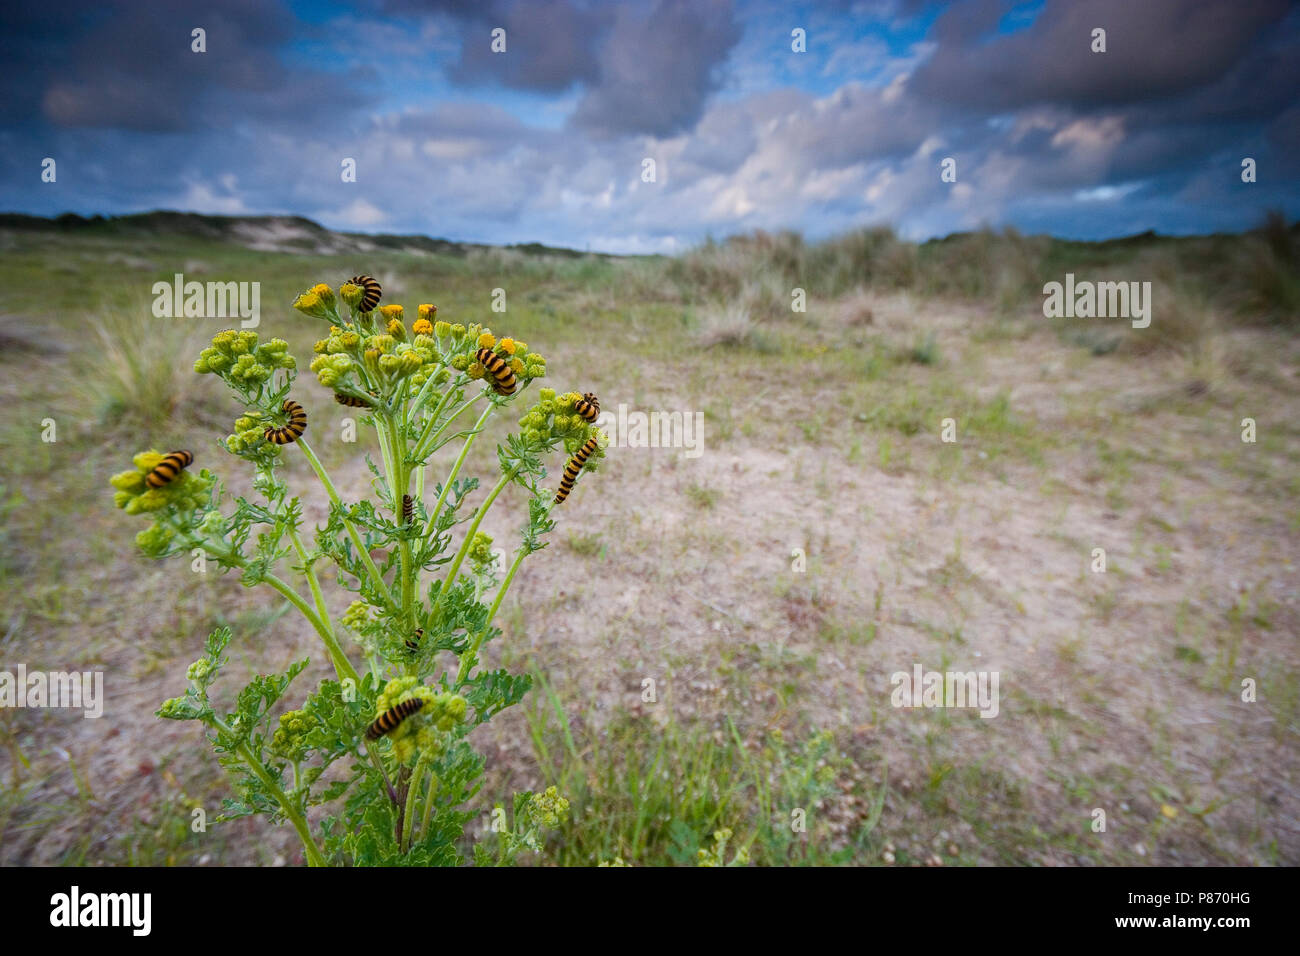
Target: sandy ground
[1119,691]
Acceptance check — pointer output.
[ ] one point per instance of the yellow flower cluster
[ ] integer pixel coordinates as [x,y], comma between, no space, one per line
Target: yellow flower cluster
[250,436]
[424,731]
[290,738]
[236,357]
[387,357]
[549,809]
[555,416]
[187,491]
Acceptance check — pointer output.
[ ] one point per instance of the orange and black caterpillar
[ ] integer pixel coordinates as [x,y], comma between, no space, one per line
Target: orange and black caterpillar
[573,467]
[351,401]
[588,406]
[408,509]
[292,431]
[166,471]
[413,642]
[387,721]
[370,293]
[503,380]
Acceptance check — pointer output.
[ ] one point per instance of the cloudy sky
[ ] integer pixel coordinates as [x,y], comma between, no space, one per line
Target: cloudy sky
[546,142]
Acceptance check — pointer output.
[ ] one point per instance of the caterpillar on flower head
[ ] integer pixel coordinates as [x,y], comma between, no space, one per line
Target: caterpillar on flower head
[573,467]
[371,293]
[503,380]
[588,406]
[408,509]
[167,470]
[351,401]
[292,431]
[413,642]
[387,722]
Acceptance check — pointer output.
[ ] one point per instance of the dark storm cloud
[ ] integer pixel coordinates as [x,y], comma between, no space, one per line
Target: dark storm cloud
[129,66]
[1154,48]
[643,68]
[658,68]
[546,141]
[550,45]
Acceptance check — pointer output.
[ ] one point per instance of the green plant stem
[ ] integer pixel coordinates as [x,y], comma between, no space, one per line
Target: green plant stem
[402,481]
[431,791]
[314,855]
[384,423]
[421,466]
[471,655]
[376,578]
[469,539]
[379,763]
[437,409]
[427,440]
[422,395]
[455,470]
[505,586]
[342,666]
[412,797]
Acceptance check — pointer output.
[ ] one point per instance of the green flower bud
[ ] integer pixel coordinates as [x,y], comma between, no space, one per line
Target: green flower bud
[154,540]
[290,738]
[453,712]
[198,670]
[132,481]
[549,809]
[357,614]
[480,549]
[309,303]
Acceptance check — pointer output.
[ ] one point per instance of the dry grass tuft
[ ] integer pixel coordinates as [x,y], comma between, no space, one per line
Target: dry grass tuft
[729,326]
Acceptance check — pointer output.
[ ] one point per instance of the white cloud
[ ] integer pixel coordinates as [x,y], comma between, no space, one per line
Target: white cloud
[199,197]
[358,214]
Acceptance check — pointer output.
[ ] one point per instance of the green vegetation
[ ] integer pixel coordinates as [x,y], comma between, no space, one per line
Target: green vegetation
[1120,689]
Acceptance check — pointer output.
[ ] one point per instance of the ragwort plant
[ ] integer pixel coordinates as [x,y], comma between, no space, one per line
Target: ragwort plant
[427,584]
